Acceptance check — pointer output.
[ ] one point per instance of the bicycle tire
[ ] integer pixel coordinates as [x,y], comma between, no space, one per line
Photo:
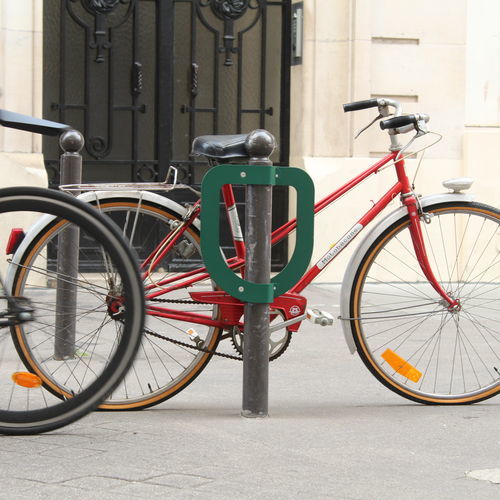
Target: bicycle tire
[106,337]
[405,334]
[161,369]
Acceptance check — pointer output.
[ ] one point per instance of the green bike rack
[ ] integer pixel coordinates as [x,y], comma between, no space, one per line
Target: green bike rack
[224,277]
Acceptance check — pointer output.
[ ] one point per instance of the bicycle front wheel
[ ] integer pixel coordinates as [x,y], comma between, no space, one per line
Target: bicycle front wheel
[78,282]
[403,330]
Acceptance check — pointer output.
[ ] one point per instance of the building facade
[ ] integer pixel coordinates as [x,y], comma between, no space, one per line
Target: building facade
[441,58]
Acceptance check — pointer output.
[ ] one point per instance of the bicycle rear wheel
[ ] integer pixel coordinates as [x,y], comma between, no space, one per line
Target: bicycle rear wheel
[403,330]
[167,360]
[88,311]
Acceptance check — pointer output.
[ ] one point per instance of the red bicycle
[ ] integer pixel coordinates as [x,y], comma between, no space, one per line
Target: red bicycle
[419,300]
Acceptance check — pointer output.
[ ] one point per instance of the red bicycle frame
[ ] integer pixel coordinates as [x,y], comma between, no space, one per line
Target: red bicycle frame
[401,188]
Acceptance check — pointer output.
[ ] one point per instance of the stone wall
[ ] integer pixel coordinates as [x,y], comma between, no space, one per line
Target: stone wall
[441,58]
[21,161]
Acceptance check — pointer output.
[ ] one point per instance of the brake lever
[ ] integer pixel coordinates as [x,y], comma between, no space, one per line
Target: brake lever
[419,133]
[383,112]
[369,125]
[422,127]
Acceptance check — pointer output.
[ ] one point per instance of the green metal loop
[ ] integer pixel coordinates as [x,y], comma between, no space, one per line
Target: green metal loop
[237,287]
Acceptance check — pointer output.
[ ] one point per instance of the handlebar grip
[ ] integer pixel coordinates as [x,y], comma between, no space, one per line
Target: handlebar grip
[355,106]
[399,121]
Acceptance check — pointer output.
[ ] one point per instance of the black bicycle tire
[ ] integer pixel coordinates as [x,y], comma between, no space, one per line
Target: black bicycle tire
[69,410]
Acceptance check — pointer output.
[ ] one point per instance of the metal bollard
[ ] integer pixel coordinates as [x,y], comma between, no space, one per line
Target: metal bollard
[260,144]
[71,143]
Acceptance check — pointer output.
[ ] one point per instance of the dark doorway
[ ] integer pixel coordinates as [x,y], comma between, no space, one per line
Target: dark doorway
[142,78]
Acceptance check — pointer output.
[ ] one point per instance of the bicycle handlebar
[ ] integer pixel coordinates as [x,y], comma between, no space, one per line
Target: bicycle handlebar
[398,124]
[401,121]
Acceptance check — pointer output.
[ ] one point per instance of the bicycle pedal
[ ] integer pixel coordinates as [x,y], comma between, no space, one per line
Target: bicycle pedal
[318,317]
[195,338]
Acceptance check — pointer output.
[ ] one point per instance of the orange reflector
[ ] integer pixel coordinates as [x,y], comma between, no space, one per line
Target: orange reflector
[26,379]
[401,366]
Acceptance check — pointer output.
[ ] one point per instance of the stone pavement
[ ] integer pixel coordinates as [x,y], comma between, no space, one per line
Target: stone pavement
[333,432]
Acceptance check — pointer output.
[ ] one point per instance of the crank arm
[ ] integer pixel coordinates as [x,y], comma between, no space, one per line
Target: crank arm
[279,326]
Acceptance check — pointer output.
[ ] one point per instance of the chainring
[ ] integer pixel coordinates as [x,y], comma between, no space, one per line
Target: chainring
[277,345]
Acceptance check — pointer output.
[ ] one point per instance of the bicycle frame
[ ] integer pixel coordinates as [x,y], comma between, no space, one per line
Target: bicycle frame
[401,188]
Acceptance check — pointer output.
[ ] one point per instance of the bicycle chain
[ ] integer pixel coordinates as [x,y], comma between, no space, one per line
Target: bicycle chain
[177,301]
[196,348]
[190,346]
[185,344]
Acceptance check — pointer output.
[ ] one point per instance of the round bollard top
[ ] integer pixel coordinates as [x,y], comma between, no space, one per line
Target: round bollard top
[260,144]
[71,141]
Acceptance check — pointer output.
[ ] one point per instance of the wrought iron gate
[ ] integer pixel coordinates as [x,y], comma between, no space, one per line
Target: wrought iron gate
[142,78]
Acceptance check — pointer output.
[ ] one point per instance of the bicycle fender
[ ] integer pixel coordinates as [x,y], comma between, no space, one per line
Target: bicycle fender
[371,236]
[90,197]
